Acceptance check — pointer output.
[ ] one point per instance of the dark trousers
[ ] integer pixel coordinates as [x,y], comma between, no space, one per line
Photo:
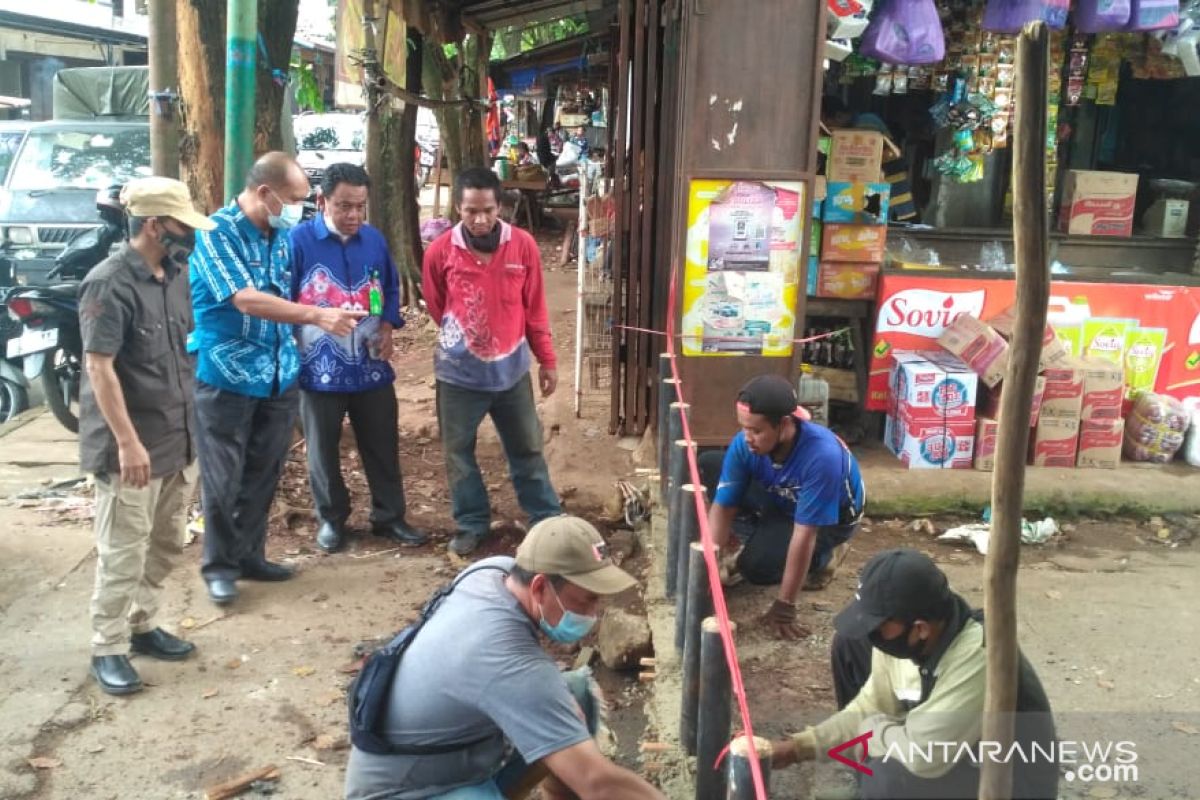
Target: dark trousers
[891,780]
[242,442]
[766,531]
[460,411]
[373,417]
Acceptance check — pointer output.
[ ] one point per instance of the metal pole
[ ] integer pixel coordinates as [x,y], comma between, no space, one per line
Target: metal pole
[241,36]
[676,478]
[164,88]
[699,607]
[714,717]
[689,528]
[740,781]
[581,267]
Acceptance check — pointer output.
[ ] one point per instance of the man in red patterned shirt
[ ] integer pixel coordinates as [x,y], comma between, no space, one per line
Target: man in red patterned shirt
[483,288]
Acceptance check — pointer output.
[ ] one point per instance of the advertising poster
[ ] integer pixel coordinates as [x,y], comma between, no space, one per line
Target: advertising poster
[1153,330]
[742,267]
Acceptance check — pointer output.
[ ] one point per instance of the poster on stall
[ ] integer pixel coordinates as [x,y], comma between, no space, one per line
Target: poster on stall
[1159,325]
[742,267]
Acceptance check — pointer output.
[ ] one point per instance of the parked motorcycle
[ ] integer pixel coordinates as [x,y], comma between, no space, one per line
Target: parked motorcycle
[50,343]
[14,389]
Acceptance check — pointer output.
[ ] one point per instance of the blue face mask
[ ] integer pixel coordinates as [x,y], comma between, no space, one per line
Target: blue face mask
[571,628]
[289,216]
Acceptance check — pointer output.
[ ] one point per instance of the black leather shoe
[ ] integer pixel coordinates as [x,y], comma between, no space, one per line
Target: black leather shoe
[402,533]
[266,571]
[464,543]
[222,591]
[329,537]
[115,674]
[161,645]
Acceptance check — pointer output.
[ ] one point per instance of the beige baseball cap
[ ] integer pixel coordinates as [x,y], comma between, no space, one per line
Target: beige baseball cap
[573,548]
[163,197]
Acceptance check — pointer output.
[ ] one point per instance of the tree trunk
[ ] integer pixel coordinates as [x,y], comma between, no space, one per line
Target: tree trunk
[404,229]
[201,27]
[277,26]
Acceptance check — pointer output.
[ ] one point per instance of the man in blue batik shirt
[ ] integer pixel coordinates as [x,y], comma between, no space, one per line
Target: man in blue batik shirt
[790,490]
[247,365]
[339,261]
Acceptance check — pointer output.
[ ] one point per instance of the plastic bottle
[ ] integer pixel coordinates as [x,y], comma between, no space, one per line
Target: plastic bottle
[813,394]
[375,295]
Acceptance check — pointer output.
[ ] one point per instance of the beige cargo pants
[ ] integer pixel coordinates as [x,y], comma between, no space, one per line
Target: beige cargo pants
[139,540]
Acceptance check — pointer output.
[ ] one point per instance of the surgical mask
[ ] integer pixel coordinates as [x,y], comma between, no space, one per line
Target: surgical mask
[289,216]
[486,243]
[898,647]
[571,628]
[333,228]
[178,246]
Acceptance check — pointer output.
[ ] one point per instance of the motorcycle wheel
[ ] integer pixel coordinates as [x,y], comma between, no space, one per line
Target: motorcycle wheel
[60,382]
[13,400]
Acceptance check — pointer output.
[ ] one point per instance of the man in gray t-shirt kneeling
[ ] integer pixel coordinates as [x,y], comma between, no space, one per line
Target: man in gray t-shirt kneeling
[476,674]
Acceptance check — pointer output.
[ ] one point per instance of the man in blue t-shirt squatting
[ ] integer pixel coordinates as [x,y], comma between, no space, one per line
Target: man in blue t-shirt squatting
[790,490]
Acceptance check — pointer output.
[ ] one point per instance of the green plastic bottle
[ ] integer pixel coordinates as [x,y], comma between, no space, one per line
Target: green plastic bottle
[376,295]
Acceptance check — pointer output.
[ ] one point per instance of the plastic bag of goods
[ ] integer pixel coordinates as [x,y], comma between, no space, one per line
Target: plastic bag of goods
[1191,448]
[1155,428]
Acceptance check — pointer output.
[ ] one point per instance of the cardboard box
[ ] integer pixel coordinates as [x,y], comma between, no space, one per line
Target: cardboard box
[930,444]
[980,347]
[847,281]
[843,383]
[1055,442]
[857,243]
[1053,350]
[855,155]
[814,239]
[932,386]
[1103,390]
[985,443]
[1100,443]
[1166,217]
[1098,203]
[857,203]
[1063,396]
[810,280]
[989,401]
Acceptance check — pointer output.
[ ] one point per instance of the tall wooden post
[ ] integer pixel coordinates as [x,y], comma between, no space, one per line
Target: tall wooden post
[164,89]
[1031,236]
[374,15]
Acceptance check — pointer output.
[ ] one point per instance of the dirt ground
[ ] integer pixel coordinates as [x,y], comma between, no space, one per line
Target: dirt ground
[1105,613]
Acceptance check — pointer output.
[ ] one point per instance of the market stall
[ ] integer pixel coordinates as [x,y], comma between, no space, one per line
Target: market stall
[913,219]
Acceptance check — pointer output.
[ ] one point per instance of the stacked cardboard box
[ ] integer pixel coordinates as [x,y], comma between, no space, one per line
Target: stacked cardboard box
[1101,426]
[1056,437]
[854,217]
[931,424]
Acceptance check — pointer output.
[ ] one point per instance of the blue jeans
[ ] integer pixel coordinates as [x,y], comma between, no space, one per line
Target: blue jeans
[511,774]
[460,411]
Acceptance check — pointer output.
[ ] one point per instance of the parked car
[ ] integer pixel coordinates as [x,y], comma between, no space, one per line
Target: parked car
[12,133]
[324,139]
[49,194]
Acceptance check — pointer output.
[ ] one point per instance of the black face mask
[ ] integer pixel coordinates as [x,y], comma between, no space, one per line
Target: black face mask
[178,247]
[486,243]
[898,647]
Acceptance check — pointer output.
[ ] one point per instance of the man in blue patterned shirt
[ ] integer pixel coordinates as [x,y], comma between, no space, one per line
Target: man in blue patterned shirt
[340,261]
[247,366]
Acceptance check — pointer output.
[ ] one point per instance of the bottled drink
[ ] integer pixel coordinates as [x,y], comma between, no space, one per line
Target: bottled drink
[375,294]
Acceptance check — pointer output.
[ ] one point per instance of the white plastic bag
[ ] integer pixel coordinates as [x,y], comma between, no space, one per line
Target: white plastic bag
[1191,447]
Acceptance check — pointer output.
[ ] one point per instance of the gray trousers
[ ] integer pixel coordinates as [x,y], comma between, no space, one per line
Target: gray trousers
[242,442]
[373,416]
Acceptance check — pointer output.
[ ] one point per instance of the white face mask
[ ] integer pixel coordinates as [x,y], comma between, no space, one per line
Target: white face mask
[289,216]
[333,228]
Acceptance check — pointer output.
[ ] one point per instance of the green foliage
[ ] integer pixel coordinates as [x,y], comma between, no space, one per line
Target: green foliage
[308,91]
[513,41]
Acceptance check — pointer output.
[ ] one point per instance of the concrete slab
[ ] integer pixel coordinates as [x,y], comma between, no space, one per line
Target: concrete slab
[1131,489]
[35,449]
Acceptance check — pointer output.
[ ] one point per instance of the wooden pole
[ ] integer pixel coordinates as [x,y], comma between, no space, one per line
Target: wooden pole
[699,608]
[714,717]
[689,529]
[1030,235]
[373,128]
[739,780]
[676,478]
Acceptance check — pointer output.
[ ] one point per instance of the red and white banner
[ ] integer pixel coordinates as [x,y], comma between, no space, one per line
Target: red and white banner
[913,311]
